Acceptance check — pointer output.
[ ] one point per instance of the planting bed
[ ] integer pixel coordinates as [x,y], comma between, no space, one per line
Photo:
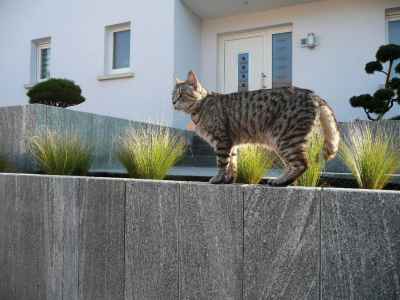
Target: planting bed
[18,124]
[97,238]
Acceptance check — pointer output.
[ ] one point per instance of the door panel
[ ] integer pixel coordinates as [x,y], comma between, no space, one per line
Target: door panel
[255,60]
[251,50]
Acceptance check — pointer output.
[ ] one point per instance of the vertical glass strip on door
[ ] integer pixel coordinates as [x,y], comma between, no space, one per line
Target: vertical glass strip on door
[282,59]
[243,72]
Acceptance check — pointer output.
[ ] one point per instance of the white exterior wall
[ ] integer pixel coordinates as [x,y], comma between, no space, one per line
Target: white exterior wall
[76,29]
[187,49]
[349,33]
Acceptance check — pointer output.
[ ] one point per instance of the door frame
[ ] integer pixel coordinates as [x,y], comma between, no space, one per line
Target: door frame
[266,32]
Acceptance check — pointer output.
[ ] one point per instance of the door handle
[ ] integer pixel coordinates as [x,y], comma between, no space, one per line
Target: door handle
[263,77]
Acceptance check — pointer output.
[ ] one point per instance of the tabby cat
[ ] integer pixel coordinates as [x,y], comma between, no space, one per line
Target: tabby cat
[281,119]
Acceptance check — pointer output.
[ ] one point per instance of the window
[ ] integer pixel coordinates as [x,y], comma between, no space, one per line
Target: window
[393,16]
[41,57]
[118,49]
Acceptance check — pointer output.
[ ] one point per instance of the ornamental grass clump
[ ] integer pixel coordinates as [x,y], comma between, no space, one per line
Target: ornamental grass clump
[254,161]
[372,155]
[61,154]
[149,153]
[316,162]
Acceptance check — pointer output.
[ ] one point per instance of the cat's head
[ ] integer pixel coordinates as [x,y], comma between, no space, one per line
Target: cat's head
[187,93]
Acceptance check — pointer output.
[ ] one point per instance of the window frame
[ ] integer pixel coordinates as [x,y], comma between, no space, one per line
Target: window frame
[109,51]
[39,48]
[391,15]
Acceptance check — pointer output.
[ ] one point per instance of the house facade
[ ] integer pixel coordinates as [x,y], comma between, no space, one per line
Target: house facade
[125,55]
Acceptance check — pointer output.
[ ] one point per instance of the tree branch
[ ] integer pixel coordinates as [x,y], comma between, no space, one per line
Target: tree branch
[369,116]
[389,74]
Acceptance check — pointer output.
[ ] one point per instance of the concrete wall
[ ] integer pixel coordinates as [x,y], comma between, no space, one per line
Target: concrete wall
[349,34]
[77,31]
[83,238]
[187,50]
[20,123]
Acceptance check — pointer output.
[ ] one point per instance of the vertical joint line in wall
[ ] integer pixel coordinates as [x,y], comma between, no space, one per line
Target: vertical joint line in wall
[178,240]
[79,204]
[125,209]
[320,243]
[243,223]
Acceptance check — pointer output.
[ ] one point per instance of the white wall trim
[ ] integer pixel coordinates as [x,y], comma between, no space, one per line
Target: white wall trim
[116,76]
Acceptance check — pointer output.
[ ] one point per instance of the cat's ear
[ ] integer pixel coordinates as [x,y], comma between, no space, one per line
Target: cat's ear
[178,81]
[192,80]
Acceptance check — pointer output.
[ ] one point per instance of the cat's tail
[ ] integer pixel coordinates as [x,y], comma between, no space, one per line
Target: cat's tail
[330,130]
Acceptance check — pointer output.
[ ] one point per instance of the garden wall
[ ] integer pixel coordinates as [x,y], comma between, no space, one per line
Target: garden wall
[92,238]
[19,123]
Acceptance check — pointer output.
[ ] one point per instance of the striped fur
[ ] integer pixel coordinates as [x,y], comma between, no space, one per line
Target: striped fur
[281,119]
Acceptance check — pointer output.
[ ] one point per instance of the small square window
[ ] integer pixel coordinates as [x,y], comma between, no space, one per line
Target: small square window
[118,49]
[41,58]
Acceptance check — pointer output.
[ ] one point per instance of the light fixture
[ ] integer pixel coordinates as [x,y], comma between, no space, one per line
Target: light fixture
[310,41]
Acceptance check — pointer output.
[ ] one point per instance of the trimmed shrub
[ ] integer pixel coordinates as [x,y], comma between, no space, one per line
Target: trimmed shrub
[254,161]
[61,154]
[377,105]
[149,153]
[56,92]
[371,155]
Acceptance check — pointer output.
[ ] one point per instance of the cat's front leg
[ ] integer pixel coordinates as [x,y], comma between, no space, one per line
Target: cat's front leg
[232,167]
[224,176]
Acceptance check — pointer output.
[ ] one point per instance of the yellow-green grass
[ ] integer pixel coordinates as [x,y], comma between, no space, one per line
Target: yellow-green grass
[61,154]
[254,161]
[316,162]
[150,153]
[371,155]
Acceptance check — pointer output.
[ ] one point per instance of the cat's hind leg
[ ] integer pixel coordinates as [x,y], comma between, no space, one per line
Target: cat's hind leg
[296,164]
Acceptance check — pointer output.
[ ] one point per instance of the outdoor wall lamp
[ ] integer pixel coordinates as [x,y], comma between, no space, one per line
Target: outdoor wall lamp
[310,41]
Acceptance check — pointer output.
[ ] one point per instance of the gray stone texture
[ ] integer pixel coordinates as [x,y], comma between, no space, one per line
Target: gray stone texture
[281,243]
[101,239]
[75,238]
[211,242]
[151,255]
[360,245]
[38,242]
[18,124]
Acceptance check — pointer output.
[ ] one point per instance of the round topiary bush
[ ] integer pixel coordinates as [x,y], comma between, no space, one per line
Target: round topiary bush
[56,92]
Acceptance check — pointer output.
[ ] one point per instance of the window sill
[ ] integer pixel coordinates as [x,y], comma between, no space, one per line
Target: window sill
[28,86]
[116,76]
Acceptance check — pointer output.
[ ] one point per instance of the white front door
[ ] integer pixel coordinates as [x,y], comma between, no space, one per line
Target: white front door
[246,60]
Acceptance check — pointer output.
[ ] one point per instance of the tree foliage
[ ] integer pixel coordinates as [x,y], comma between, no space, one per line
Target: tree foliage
[56,92]
[382,101]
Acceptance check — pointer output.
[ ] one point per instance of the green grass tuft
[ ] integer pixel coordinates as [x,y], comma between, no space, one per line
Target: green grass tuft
[61,154]
[254,162]
[371,155]
[316,162]
[149,153]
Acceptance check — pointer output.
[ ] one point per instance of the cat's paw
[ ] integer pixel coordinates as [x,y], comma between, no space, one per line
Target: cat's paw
[222,179]
[217,179]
